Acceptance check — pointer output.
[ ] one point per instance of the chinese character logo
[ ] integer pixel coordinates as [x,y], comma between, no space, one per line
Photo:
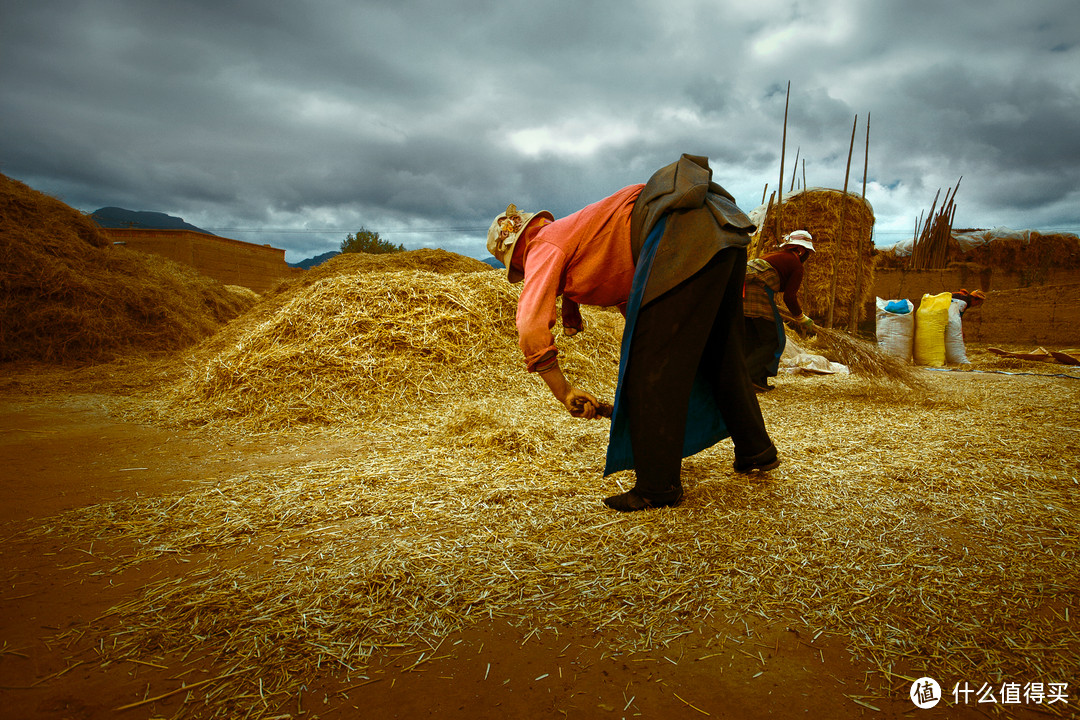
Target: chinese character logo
[925,693]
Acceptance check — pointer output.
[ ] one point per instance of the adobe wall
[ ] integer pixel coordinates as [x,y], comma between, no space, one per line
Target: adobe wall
[1020,308]
[232,262]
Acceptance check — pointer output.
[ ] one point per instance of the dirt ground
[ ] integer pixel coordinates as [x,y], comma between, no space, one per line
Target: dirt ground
[63,449]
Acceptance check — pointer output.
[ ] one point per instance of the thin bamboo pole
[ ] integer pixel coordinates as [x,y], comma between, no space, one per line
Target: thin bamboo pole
[783,150]
[866,157]
[860,271]
[920,246]
[838,241]
[758,245]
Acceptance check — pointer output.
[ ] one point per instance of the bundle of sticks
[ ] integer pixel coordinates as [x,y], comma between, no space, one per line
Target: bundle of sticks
[931,247]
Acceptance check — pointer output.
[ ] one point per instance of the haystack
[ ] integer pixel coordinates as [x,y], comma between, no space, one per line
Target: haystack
[821,211]
[434,260]
[387,342]
[69,295]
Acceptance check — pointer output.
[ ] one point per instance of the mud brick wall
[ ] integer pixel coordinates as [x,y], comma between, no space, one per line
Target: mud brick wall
[1046,315]
[232,262]
[1019,309]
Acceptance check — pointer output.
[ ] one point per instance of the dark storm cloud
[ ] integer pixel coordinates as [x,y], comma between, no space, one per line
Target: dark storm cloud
[273,122]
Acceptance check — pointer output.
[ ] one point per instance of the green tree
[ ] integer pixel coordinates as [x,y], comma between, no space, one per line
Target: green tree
[368,242]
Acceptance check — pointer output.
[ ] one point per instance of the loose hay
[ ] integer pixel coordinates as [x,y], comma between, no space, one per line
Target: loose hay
[934,529]
[871,530]
[861,357]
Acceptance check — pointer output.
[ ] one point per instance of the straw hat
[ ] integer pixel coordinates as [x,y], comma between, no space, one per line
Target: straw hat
[800,238]
[504,233]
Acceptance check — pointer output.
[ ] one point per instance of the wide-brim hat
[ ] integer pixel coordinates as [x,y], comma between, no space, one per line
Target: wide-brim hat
[801,238]
[505,231]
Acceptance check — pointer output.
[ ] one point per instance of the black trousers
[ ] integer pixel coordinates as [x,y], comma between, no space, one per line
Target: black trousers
[762,342]
[697,324]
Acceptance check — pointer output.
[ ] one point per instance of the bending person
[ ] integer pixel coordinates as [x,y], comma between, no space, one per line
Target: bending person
[671,255]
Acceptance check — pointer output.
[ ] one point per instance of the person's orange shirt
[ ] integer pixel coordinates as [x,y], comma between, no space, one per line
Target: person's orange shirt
[586,258]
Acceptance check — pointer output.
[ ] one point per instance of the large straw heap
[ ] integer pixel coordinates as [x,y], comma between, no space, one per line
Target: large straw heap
[822,212]
[69,295]
[372,340]
[1028,252]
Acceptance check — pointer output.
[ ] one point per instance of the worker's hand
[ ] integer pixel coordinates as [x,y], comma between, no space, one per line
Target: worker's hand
[581,404]
[571,331]
[805,322]
[578,403]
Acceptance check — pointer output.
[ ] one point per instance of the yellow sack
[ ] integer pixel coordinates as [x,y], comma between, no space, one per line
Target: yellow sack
[931,319]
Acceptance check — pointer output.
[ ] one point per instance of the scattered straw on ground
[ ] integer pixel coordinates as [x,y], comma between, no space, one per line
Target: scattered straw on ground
[937,533]
[934,529]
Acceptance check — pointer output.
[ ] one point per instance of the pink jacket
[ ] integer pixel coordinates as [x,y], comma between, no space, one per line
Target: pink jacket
[586,258]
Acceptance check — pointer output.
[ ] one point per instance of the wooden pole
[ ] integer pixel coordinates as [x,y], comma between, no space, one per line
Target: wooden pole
[920,246]
[853,322]
[758,245]
[795,169]
[783,150]
[837,242]
[866,158]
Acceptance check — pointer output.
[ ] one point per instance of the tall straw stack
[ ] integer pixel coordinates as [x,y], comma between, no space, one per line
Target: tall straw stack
[821,212]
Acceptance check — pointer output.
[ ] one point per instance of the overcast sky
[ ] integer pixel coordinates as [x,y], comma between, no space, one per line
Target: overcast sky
[295,123]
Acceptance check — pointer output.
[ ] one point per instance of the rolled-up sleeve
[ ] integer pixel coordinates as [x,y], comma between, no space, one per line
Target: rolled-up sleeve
[536,305]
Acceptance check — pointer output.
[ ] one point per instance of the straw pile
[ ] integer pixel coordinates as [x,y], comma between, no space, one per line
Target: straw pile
[820,211]
[346,264]
[70,296]
[1028,252]
[434,260]
[384,342]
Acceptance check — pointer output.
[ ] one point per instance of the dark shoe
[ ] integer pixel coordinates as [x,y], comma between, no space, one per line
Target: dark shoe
[751,467]
[632,500]
[763,461]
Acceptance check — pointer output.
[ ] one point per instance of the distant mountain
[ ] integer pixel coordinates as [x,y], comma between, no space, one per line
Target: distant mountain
[493,263]
[114,217]
[313,261]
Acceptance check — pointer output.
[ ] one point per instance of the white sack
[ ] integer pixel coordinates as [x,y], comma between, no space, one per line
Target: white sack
[895,331]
